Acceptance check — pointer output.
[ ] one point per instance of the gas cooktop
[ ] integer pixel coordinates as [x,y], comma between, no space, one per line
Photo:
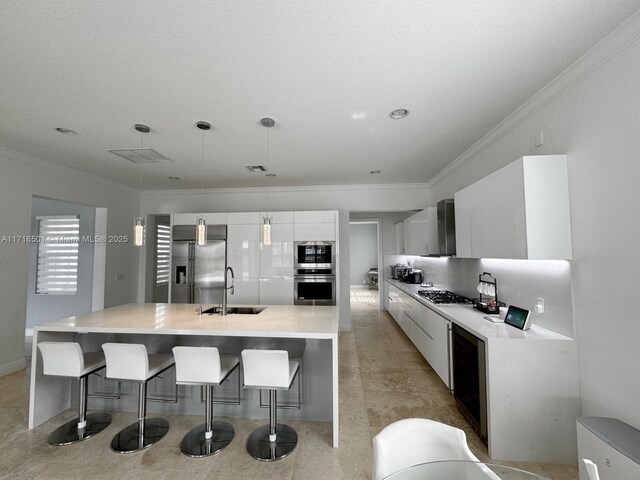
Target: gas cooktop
[443,296]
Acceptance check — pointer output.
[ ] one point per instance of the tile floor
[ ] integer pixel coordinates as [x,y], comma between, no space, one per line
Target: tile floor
[383,379]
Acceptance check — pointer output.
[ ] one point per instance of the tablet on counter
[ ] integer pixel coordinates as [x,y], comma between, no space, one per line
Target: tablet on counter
[518,317]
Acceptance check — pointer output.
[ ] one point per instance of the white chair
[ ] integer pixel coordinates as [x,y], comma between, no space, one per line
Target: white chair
[130,362]
[592,469]
[417,440]
[65,359]
[205,366]
[271,370]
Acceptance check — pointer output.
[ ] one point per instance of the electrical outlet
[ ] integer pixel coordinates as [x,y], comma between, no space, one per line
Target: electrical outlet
[539,307]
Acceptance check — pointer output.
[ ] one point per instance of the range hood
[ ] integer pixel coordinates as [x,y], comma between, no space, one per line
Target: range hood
[446,227]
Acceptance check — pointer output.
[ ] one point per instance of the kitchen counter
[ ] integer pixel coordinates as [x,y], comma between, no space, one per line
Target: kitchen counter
[283,321]
[473,320]
[531,377]
[310,330]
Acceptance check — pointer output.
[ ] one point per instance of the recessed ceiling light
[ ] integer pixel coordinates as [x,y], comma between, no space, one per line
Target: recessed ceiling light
[375,172]
[399,113]
[174,178]
[66,131]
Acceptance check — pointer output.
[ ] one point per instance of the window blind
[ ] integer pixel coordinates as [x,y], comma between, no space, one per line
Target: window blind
[58,244]
[163,254]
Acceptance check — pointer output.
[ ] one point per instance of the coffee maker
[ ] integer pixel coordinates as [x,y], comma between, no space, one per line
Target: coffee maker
[413,276]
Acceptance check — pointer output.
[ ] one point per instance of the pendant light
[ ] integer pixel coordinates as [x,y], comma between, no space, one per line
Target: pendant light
[139,228]
[201,225]
[266,221]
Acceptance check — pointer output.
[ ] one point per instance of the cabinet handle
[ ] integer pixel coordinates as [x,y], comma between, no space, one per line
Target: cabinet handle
[425,332]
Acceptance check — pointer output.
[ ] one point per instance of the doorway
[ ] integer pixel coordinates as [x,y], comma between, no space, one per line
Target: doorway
[364,260]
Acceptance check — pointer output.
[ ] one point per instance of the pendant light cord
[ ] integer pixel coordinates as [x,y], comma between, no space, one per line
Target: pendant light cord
[202,179]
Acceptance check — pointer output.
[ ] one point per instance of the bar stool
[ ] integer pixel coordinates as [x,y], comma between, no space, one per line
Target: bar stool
[65,359]
[127,361]
[205,366]
[272,370]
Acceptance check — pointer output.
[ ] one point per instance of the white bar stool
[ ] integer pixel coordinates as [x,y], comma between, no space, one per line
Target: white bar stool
[272,370]
[128,361]
[65,359]
[205,366]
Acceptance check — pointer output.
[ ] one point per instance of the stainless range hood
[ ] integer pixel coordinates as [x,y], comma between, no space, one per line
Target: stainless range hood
[446,227]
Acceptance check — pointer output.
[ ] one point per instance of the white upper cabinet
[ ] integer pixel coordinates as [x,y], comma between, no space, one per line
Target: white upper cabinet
[400,238]
[192,218]
[314,226]
[243,218]
[421,233]
[520,211]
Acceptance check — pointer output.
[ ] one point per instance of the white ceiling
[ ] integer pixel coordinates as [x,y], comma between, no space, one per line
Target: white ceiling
[328,72]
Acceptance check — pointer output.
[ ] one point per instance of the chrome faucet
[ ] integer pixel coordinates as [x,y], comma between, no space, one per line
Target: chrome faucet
[226,289]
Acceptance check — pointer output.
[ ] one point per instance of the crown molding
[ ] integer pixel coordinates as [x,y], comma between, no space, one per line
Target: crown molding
[614,43]
[292,189]
[37,162]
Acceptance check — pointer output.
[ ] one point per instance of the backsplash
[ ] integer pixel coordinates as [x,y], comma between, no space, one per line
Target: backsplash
[520,282]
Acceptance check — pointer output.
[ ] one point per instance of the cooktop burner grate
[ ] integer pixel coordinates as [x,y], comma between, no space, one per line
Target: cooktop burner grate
[443,296]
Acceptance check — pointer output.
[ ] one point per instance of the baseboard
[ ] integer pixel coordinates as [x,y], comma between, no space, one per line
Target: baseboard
[12,367]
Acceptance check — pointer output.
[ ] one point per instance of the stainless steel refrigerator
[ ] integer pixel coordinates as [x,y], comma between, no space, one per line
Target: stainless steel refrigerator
[198,271]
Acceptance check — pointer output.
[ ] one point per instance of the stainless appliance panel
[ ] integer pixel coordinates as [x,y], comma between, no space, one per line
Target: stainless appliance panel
[208,272]
[446,227]
[315,255]
[181,288]
[198,271]
[314,290]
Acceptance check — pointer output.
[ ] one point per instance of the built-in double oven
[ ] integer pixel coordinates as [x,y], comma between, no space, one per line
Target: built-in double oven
[315,273]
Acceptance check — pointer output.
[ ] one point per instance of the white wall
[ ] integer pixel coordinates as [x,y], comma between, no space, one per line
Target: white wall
[347,198]
[45,308]
[591,113]
[363,251]
[22,178]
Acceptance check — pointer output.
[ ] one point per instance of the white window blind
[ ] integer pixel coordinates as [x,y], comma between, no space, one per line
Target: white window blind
[163,254]
[58,242]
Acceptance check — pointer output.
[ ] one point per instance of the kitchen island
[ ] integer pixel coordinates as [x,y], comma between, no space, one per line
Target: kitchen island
[308,331]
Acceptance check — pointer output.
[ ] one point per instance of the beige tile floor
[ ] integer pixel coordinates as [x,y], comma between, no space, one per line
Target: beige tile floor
[383,379]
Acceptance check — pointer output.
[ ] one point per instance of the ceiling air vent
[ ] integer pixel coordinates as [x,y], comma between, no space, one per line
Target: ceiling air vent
[255,168]
[140,155]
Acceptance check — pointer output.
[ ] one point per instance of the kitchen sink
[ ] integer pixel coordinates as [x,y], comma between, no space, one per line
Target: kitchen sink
[232,310]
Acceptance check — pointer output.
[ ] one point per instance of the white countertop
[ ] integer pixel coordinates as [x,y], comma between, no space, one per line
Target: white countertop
[472,320]
[284,321]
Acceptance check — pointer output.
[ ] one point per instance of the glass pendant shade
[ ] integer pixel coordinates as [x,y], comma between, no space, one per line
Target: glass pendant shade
[266,231]
[201,232]
[138,232]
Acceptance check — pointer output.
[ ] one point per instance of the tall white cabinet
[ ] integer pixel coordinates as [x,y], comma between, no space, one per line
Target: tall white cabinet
[243,256]
[276,261]
[520,211]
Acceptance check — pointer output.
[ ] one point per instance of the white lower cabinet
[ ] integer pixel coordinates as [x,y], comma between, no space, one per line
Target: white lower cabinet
[428,330]
[439,355]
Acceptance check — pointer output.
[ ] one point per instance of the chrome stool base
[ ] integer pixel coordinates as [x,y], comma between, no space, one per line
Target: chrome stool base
[194,444]
[129,440]
[69,434]
[260,448]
